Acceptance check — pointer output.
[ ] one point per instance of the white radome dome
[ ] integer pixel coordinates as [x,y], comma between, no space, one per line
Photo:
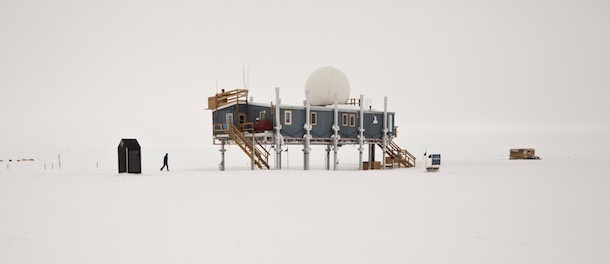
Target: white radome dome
[322,85]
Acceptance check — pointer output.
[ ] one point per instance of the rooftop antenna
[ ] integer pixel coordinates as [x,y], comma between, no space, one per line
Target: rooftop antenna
[246,77]
[243,70]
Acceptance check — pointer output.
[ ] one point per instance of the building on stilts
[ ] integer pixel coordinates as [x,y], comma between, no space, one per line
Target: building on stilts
[328,117]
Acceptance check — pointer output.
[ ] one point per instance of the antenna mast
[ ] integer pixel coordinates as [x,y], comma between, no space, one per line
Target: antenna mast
[243,71]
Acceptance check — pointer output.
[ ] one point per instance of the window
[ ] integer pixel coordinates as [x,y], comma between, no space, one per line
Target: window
[344,120]
[261,115]
[241,118]
[288,117]
[352,120]
[314,118]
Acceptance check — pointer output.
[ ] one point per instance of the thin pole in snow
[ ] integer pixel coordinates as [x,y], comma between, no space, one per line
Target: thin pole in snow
[59,161]
[287,160]
[426,158]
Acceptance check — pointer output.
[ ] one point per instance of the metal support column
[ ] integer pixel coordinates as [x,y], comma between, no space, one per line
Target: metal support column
[336,132]
[307,136]
[361,130]
[327,160]
[371,155]
[222,155]
[384,140]
[278,128]
[252,152]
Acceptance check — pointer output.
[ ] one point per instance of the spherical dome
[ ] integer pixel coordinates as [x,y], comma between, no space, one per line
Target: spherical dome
[323,83]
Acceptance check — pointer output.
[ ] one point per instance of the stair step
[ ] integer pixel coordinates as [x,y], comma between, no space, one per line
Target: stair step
[252,151]
[403,156]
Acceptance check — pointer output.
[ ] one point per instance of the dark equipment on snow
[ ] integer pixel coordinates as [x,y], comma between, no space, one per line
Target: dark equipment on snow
[130,160]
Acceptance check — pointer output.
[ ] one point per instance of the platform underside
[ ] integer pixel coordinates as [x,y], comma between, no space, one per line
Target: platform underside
[266,138]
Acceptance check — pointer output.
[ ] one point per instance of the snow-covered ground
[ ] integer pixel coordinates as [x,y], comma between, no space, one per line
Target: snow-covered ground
[476,209]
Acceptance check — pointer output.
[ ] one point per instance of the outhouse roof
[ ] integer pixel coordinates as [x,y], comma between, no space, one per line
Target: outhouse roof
[129,143]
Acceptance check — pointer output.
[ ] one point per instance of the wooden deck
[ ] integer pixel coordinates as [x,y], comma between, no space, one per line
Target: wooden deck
[224,98]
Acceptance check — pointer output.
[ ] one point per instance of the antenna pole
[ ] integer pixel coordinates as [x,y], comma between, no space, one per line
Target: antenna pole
[243,70]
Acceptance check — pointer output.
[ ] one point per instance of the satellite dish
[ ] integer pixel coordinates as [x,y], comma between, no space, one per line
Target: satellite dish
[323,83]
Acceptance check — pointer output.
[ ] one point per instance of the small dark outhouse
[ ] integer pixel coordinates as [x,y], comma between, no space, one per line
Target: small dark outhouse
[130,160]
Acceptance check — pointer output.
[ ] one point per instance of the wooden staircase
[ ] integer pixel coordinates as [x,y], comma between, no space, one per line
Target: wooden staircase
[255,152]
[400,156]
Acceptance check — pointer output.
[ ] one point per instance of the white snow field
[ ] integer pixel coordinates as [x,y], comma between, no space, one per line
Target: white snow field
[476,209]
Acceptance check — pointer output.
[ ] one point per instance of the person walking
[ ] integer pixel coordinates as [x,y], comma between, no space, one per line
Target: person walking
[165,163]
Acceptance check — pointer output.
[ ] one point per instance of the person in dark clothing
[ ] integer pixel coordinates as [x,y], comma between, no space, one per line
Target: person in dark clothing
[165,163]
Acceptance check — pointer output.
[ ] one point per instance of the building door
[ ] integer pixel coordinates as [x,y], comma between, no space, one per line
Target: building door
[133,161]
[229,119]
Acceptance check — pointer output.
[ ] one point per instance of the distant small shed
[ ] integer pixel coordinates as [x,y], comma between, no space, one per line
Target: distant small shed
[130,159]
[523,153]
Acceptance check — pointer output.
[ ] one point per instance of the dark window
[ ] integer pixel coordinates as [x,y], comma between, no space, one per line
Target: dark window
[314,118]
[287,117]
[352,120]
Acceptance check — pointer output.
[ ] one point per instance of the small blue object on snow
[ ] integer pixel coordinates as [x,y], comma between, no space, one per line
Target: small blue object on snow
[433,162]
[436,159]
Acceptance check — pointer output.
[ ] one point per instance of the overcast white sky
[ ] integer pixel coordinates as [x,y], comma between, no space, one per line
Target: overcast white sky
[84,74]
